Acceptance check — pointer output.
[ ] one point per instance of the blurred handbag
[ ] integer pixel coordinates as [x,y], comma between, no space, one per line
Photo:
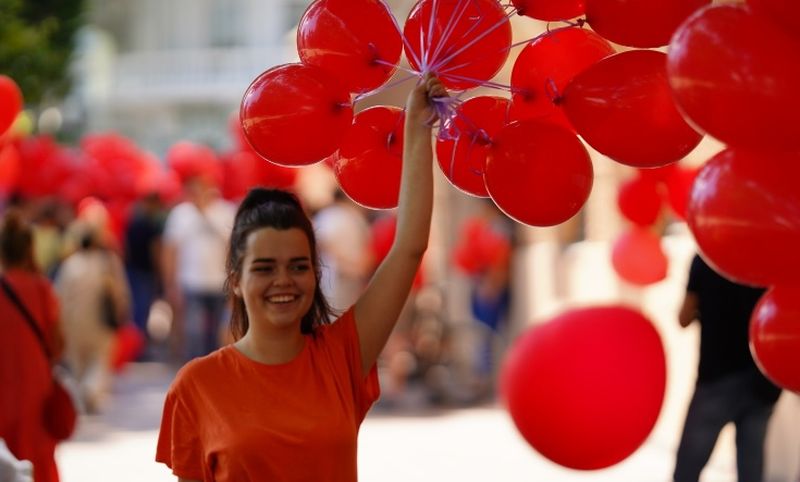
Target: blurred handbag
[59,415]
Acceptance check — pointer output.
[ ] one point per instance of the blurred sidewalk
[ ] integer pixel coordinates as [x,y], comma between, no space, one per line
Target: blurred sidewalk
[465,445]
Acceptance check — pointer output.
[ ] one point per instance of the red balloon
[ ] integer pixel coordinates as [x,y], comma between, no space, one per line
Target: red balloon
[538,174]
[295,114]
[586,388]
[464,43]
[545,67]
[638,258]
[10,168]
[552,10]
[480,247]
[679,186]
[775,336]
[744,213]
[622,106]
[735,76]
[383,231]
[463,142]
[370,161]
[658,174]
[10,102]
[639,23]
[356,41]
[189,159]
[783,12]
[639,200]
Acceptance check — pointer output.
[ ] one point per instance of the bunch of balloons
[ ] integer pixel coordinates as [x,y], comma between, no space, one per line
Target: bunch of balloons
[733,70]
[520,149]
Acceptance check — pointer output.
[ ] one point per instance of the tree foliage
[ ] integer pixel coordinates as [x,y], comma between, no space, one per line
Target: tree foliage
[36,42]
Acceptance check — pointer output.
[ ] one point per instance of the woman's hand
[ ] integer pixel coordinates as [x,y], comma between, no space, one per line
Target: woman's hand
[420,110]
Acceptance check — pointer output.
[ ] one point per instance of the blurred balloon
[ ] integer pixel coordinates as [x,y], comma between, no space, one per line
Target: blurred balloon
[637,257]
[295,114]
[744,213]
[639,23]
[679,186]
[10,102]
[369,162]
[10,169]
[465,43]
[775,336]
[586,388]
[354,40]
[639,200]
[623,107]
[463,142]
[244,170]
[735,76]
[383,231]
[783,12]
[480,247]
[538,174]
[545,66]
[552,10]
[189,159]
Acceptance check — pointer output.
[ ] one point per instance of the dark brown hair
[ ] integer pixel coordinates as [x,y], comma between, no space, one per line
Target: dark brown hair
[271,208]
[16,242]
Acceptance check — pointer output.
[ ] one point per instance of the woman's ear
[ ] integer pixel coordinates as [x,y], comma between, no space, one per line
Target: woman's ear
[237,290]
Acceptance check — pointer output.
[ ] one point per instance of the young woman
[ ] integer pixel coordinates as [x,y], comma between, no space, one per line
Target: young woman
[286,400]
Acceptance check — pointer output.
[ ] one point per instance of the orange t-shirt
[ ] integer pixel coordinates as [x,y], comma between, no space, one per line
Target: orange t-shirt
[229,418]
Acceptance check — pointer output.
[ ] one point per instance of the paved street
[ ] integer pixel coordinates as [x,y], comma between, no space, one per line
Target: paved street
[465,445]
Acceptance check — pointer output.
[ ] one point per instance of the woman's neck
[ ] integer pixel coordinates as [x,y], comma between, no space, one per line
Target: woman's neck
[271,348]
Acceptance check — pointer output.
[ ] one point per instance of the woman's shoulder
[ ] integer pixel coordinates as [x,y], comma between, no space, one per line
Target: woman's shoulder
[212,368]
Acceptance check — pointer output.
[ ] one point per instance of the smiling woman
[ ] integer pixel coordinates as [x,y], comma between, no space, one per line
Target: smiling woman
[297,383]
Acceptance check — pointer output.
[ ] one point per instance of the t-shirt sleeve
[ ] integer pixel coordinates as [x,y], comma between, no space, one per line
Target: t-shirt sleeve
[366,388]
[179,445]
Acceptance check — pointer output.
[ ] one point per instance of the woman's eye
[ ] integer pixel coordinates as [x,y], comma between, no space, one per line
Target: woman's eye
[301,267]
[263,269]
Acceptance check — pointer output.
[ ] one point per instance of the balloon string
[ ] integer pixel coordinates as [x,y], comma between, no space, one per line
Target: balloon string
[472,42]
[551,89]
[426,45]
[386,86]
[398,67]
[409,49]
[483,83]
[452,22]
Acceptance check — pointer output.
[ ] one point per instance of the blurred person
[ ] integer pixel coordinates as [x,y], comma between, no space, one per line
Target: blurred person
[25,370]
[194,242]
[730,388]
[286,400]
[95,301]
[142,255]
[48,238]
[343,238]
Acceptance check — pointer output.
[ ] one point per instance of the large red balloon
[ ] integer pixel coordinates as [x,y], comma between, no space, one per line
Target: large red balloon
[10,102]
[552,10]
[463,42]
[744,213]
[639,23]
[295,114]
[775,336]
[639,200]
[736,77]
[637,257]
[463,143]
[585,388]
[783,12]
[370,161]
[623,107]
[545,66]
[356,41]
[538,174]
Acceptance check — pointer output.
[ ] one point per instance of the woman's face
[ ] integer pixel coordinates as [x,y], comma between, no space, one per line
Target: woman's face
[277,280]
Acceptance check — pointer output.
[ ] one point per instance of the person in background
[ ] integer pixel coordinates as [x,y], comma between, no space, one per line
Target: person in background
[25,373]
[730,388]
[192,260]
[95,302]
[343,237]
[286,400]
[142,256]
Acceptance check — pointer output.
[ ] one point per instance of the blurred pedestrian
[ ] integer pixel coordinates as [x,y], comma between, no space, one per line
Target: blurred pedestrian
[286,400]
[25,370]
[192,262]
[730,388]
[343,238]
[95,303]
[143,254]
